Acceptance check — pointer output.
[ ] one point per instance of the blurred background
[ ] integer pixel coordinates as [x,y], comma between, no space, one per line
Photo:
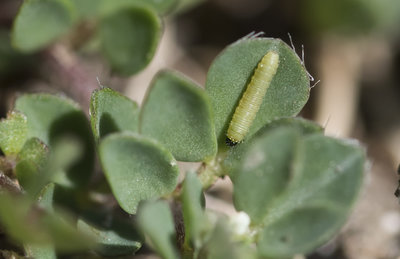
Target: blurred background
[350,47]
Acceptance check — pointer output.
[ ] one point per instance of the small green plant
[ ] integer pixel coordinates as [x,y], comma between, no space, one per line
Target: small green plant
[293,186]
[126,32]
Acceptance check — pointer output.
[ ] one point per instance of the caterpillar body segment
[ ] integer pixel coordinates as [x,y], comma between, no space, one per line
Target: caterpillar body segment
[252,98]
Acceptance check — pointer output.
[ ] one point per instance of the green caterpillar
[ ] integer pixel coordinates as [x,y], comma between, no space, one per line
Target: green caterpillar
[252,98]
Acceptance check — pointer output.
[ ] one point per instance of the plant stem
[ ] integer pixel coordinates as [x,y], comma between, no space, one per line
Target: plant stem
[210,171]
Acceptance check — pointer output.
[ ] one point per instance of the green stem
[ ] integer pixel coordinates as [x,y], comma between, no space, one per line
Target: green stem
[210,171]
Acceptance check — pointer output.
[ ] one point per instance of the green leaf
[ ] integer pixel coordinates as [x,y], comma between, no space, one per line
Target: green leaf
[264,172]
[155,219]
[302,126]
[12,62]
[65,153]
[297,189]
[177,113]
[31,161]
[42,110]
[137,169]
[113,239]
[12,218]
[13,133]
[342,16]
[112,112]
[351,18]
[129,38]
[27,223]
[37,167]
[41,251]
[193,213]
[87,8]
[46,197]
[39,22]
[327,175]
[231,71]
[45,201]
[222,245]
[51,118]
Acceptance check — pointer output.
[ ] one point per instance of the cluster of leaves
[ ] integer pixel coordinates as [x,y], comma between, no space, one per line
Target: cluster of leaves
[293,185]
[128,31]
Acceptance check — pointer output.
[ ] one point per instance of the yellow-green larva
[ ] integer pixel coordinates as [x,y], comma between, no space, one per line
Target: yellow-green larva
[252,98]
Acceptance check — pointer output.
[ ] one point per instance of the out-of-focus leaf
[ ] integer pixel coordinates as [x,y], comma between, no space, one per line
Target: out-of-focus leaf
[232,70]
[193,213]
[115,239]
[13,133]
[222,245]
[46,197]
[352,17]
[177,113]
[65,152]
[39,22]
[12,62]
[155,219]
[327,178]
[45,201]
[264,172]
[302,126]
[41,251]
[30,224]
[87,8]
[297,189]
[137,169]
[51,118]
[160,6]
[129,38]
[111,112]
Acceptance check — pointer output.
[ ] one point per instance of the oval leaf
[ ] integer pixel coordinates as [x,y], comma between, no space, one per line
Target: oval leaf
[155,219]
[327,175]
[298,190]
[231,71]
[264,172]
[13,133]
[137,169]
[177,113]
[51,118]
[39,22]
[129,38]
[111,112]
